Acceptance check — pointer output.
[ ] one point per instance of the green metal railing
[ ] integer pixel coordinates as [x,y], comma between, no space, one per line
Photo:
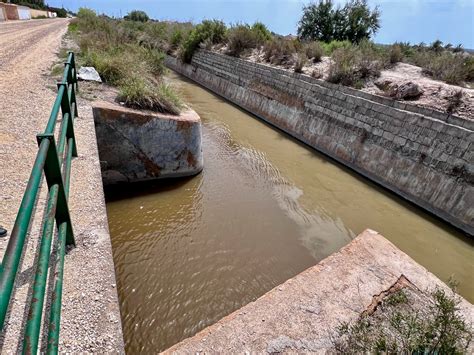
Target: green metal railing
[55,161]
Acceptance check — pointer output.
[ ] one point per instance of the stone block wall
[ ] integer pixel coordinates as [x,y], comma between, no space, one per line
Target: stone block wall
[422,155]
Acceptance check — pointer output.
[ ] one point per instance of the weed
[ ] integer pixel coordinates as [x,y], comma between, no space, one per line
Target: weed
[435,328]
[140,94]
[314,51]
[395,54]
[300,62]
[454,101]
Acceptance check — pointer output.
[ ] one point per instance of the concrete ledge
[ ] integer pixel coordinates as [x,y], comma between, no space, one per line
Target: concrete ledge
[301,314]
[138,145]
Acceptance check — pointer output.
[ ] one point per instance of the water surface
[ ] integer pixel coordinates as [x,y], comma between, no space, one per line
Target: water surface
[188,252]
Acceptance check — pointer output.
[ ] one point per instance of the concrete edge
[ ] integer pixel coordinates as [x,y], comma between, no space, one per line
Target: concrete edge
[304,310]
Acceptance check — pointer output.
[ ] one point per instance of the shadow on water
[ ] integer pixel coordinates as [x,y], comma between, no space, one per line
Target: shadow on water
[118,192]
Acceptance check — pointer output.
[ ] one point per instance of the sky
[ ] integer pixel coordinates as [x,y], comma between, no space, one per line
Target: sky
[451,21]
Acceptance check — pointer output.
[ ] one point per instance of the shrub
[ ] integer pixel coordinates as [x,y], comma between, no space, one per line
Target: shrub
[330,47]
[395,54]
[155,59]
[352,66]
[314,51]
[85,13]
[300,62]
[213,30]
[243,37]
[140,94]
[449,67]
[177,37]
[137,15]
[280,51]
[406,324]
[261,32]
[343,68]
[454,101]
[240,38]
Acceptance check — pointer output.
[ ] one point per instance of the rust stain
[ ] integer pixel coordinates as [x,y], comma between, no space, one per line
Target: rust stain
[152,169]
[191,159]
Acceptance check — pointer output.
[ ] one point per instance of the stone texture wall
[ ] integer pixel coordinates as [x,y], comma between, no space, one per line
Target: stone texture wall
[138,146]
[422,155]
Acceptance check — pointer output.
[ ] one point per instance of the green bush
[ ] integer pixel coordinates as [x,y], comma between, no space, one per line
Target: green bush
[137,15]
[212,30]
[404,324]
[314,51]
[138,93]
[261,32]
[330,47]
[85,13]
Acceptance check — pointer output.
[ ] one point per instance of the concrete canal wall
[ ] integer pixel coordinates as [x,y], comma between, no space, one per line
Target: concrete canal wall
[422,155]
[139,145]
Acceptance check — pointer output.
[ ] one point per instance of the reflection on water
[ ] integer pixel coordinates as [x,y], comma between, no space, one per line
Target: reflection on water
[188,252]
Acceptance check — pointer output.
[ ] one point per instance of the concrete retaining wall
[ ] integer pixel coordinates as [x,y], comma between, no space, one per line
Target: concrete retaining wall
[11,11]
[3,14]
[138,146]
[39,13]
[422,155]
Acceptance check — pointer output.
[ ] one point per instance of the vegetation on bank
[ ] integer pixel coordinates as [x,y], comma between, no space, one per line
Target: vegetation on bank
[133,47]
[127,54]
[342,33]
[408,322]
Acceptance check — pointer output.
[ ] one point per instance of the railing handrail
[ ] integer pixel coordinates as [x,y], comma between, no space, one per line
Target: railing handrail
[49,159]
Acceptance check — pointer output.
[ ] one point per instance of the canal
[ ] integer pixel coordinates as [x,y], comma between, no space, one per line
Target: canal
[188,252]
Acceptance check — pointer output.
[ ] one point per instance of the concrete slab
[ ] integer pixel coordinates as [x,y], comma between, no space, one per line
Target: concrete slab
[302,314]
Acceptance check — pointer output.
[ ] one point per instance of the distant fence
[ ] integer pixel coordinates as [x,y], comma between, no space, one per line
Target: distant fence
[50,159]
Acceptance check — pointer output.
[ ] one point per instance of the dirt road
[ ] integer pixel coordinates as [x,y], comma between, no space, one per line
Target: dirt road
[90,318]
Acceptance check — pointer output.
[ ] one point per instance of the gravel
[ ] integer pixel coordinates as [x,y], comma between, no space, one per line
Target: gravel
[90,319]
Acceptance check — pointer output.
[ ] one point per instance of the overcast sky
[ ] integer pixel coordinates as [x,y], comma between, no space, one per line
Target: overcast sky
[402,20]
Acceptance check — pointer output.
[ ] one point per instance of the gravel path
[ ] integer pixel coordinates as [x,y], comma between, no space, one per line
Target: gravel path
[90,313]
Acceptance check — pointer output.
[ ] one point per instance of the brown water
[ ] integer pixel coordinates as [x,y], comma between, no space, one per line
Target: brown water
[188,252]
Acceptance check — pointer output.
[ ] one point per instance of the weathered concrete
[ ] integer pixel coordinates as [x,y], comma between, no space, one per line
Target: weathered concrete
[137,145]
[303,313]
[422,155]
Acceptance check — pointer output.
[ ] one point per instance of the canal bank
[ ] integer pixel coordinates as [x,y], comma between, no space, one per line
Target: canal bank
[422,155]
[264,209]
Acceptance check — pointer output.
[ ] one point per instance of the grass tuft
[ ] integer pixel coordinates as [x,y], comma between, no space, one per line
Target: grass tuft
[140,94]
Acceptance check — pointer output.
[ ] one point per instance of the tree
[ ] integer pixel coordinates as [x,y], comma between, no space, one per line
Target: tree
[317,22]
[137,15]
[354,22]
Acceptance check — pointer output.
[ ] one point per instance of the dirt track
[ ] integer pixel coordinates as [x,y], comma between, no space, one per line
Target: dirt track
[90,318]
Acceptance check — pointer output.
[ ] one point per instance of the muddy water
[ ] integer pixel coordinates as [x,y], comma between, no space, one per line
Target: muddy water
[265,208]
